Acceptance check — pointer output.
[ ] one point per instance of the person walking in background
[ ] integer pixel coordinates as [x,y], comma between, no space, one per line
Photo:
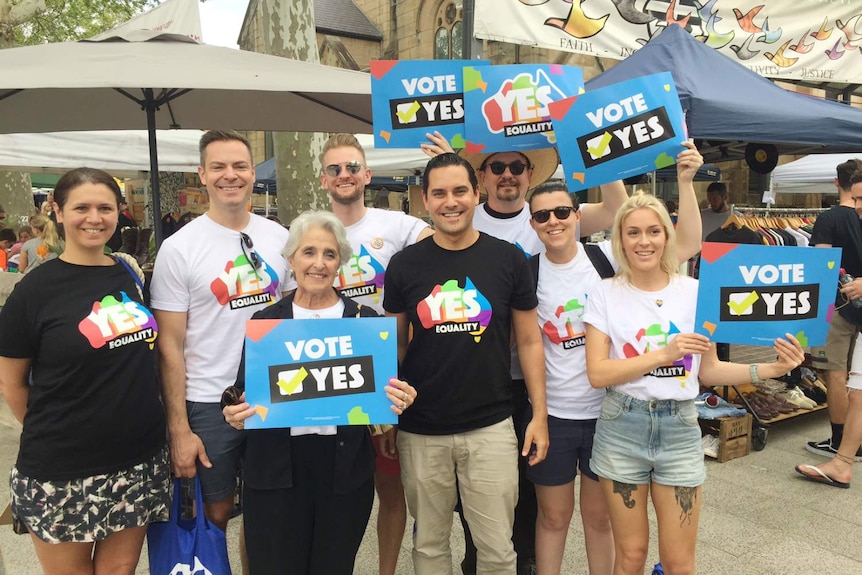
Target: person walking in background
[45,246]
[78,370]
[839,227]
[647,440]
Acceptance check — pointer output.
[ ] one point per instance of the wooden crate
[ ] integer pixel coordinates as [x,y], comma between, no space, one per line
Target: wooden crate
[734,435]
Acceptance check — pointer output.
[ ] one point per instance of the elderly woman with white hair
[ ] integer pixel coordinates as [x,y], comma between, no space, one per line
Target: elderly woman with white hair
[308,491]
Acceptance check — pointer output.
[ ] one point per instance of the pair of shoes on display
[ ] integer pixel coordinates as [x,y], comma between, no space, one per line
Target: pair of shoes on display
[710,445]
[769,406]
[813,391]
[826,449]
[796,397]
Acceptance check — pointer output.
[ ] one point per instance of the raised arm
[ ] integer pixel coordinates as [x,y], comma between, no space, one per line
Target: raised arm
[689,226]
[600,216]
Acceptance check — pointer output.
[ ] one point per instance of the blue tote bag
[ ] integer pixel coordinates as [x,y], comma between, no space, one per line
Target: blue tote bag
[187,546]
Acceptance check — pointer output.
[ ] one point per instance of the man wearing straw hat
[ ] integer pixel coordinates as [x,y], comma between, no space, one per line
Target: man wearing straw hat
[506,178]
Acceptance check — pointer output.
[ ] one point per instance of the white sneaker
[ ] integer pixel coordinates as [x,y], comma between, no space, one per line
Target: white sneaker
[710,445]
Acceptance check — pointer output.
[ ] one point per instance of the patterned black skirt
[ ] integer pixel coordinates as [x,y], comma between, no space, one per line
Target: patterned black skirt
[89,509]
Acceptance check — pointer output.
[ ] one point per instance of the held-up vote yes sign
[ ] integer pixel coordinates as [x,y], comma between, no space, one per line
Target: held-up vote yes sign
[752,294]
[619,131]
[507,107]
[319,371]
[410,98]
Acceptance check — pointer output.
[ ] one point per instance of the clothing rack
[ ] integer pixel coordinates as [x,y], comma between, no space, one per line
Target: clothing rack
[767,211]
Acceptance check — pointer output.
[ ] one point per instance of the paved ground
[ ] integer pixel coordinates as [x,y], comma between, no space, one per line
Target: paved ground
[759,517]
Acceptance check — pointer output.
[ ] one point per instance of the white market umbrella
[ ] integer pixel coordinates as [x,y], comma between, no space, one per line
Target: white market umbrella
[168,81]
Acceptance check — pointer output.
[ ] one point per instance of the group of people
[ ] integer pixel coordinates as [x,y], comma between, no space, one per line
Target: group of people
[525,358]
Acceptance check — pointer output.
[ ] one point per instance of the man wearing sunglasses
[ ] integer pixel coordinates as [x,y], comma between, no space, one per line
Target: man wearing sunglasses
[506,178]
[209,278]
[375,236]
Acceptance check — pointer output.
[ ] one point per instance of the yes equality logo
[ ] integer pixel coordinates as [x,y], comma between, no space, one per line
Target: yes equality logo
[520,106]
[361,275]
[450,308]
[116,323]
[241,285]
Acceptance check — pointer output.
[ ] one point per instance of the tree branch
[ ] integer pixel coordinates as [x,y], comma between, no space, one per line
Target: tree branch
[26,10]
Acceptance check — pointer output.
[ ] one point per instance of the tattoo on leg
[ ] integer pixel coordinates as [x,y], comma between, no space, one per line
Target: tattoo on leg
[625,490]
[685,496]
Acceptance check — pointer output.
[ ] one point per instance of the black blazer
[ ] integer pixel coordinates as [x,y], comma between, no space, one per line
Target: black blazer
[267,457]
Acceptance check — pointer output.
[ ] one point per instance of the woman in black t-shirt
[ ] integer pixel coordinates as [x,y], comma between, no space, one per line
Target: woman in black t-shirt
[77,368]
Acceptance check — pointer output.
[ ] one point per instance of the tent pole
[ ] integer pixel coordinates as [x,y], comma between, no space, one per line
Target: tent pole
[150,106]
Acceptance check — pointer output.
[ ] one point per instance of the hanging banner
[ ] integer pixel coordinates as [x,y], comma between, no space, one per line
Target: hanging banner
[312,372]
[813,40]
[752,294]
[507,106]
[619,131]
[410,98]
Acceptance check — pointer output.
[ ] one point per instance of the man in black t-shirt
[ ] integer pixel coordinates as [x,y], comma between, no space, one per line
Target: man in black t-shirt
[463,293]
[839,227]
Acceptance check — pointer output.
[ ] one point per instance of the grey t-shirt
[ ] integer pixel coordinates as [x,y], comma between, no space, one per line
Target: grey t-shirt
[37,252]
[712,221]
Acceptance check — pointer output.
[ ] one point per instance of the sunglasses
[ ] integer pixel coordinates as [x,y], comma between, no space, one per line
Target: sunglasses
[251,255]
[516,168]
[334,170]
[560,212]
[230,396]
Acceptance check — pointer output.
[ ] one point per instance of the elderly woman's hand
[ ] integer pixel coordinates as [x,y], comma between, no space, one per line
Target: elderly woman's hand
[235,415]
[401,394]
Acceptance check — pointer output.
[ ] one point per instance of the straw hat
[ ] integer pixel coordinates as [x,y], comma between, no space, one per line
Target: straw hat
[543,161]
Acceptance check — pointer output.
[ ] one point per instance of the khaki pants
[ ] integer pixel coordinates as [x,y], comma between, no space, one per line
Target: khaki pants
[485,463]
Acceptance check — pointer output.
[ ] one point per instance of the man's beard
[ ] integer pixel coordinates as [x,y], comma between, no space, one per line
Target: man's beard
[347,200]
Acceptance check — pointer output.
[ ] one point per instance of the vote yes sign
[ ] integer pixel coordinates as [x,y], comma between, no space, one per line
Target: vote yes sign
[619,131]
[752,294]
[319,371]
[410,98]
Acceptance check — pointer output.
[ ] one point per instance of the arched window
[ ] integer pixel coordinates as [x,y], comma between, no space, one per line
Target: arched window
[448,38]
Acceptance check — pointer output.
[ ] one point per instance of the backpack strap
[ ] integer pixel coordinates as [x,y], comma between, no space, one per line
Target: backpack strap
[134,270]
[599,260]
[534,266]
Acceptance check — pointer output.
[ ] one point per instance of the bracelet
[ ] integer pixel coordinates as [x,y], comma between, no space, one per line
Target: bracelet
[755,379]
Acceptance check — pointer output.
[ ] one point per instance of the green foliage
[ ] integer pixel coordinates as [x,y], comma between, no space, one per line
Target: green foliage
[65,20]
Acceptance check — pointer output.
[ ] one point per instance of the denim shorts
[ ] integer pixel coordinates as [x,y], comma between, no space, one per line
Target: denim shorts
[638,442]
[223,445]
[570,449]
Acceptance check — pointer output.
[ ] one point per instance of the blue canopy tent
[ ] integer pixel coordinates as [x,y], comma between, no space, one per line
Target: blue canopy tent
[733,112]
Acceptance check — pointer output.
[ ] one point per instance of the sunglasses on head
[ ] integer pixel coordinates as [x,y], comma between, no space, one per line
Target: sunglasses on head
[516,168]
[251,255]
[560,212]
[334,170]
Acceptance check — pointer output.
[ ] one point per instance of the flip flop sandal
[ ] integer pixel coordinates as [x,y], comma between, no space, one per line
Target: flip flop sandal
[821,477]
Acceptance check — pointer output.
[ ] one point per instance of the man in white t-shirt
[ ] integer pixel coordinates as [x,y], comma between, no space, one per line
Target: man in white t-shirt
[506,178]
[209,278]
[375,236]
